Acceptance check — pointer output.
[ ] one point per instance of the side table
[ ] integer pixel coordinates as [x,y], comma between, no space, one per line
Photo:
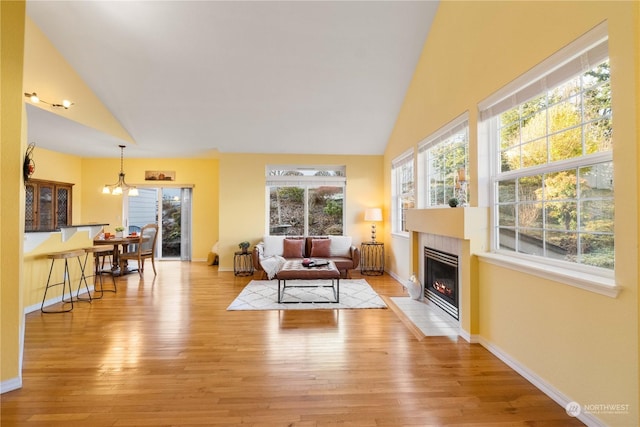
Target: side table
[372,258]
[243,263]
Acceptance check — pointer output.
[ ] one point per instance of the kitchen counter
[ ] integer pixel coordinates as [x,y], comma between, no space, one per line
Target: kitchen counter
[34,238]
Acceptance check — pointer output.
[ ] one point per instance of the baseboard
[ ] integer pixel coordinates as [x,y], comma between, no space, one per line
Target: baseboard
[471,339]
[47,303]
[10,385]
[561,399]
[394,275]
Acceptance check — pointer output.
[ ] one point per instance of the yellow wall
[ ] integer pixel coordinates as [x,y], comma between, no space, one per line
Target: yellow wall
[201,173]
[12,144]
[37,266]
[54,166]
[48,74]
[583,345]
[91,206]
[59,167]
[243,197]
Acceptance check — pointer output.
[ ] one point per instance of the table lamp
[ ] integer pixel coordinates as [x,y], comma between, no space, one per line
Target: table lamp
[374,215]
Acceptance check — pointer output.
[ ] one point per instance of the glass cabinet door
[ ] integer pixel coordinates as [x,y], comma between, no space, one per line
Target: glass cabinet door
[30,220]
[47,205]
[63,207]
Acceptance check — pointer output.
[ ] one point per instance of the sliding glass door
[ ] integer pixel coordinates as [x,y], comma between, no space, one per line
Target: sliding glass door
[170,208]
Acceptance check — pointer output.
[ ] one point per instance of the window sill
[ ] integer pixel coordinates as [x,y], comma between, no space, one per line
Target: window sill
[589,282]
[397,235]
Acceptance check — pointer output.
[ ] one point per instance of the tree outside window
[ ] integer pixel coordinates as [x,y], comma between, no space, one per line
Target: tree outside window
[306,202]
[555,185]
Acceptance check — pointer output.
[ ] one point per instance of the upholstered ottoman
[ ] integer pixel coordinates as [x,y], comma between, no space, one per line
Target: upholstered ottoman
[294,270]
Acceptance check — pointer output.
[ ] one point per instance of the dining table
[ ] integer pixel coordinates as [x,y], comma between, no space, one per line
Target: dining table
[117,243]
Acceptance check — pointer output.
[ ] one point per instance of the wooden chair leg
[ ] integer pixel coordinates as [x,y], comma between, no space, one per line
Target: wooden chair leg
[153,264]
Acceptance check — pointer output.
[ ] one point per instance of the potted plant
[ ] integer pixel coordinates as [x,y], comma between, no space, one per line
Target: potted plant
[244,246]
[119,231]
[453,202]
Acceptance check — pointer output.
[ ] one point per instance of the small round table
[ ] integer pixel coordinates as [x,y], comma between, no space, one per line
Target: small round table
[372,258]
[243,264]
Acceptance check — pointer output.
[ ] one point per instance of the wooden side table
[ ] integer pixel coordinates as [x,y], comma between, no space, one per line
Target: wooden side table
[243,263]
[372,258]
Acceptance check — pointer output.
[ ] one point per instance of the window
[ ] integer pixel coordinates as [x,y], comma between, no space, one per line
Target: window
[403,191]
[305,201]
[553,172]
[442,165]
[47,205]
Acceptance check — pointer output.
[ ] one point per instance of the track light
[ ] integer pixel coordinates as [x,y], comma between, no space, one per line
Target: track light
[36,99]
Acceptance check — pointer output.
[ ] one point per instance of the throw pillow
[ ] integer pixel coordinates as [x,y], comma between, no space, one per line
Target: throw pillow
[320,248]
[273,245]
[340,246]
[293,248]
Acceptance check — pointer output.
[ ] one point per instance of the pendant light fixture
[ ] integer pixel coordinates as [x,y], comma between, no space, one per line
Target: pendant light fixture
[120,187]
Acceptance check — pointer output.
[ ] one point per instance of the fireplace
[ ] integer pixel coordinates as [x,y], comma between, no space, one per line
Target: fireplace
[441,280]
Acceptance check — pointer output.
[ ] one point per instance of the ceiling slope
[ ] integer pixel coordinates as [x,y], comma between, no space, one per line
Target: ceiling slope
[189,79]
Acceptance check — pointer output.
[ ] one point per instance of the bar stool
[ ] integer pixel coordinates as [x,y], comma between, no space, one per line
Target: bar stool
[99,254]
[66,279]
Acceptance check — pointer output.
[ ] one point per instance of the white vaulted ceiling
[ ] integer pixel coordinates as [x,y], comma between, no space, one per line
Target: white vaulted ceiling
[185,78]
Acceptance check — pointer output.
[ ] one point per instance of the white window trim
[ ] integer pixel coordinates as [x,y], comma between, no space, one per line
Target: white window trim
[398,161]
[570,60]
[307,182]
[442,134]
[445,132]
[572,57]
[588,279]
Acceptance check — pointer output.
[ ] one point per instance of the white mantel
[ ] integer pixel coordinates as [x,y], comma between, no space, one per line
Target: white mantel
[462,231]
[464,223]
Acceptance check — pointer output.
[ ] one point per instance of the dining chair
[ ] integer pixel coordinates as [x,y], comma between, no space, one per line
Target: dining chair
[145,249]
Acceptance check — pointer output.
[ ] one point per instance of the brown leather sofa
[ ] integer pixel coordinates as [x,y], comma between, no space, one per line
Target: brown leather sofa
[345,255]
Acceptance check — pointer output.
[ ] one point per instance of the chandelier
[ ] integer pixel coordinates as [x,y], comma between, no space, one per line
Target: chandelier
[121,186]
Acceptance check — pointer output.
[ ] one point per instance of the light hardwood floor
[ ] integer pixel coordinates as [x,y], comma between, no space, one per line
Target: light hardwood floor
[165,352]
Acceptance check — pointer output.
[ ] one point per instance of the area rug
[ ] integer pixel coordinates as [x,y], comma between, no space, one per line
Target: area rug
[263,295]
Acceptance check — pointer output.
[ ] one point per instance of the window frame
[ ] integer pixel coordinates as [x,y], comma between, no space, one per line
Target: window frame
[306,181]
[398,196]
[566,63]
[435,140]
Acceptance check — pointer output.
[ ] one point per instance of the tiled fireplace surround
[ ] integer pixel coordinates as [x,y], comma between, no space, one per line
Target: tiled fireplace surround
[461,231]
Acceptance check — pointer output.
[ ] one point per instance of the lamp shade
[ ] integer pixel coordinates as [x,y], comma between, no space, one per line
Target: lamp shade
[373,214]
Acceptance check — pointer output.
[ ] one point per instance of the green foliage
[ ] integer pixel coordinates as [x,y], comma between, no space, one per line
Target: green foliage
[291,194]
[171,227]
[571,120]
[333,208]
[324,210]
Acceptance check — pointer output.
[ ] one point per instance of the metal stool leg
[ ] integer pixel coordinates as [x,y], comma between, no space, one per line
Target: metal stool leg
[101,271]
[100,253]
[97,277]
[83,277]
[65,279]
